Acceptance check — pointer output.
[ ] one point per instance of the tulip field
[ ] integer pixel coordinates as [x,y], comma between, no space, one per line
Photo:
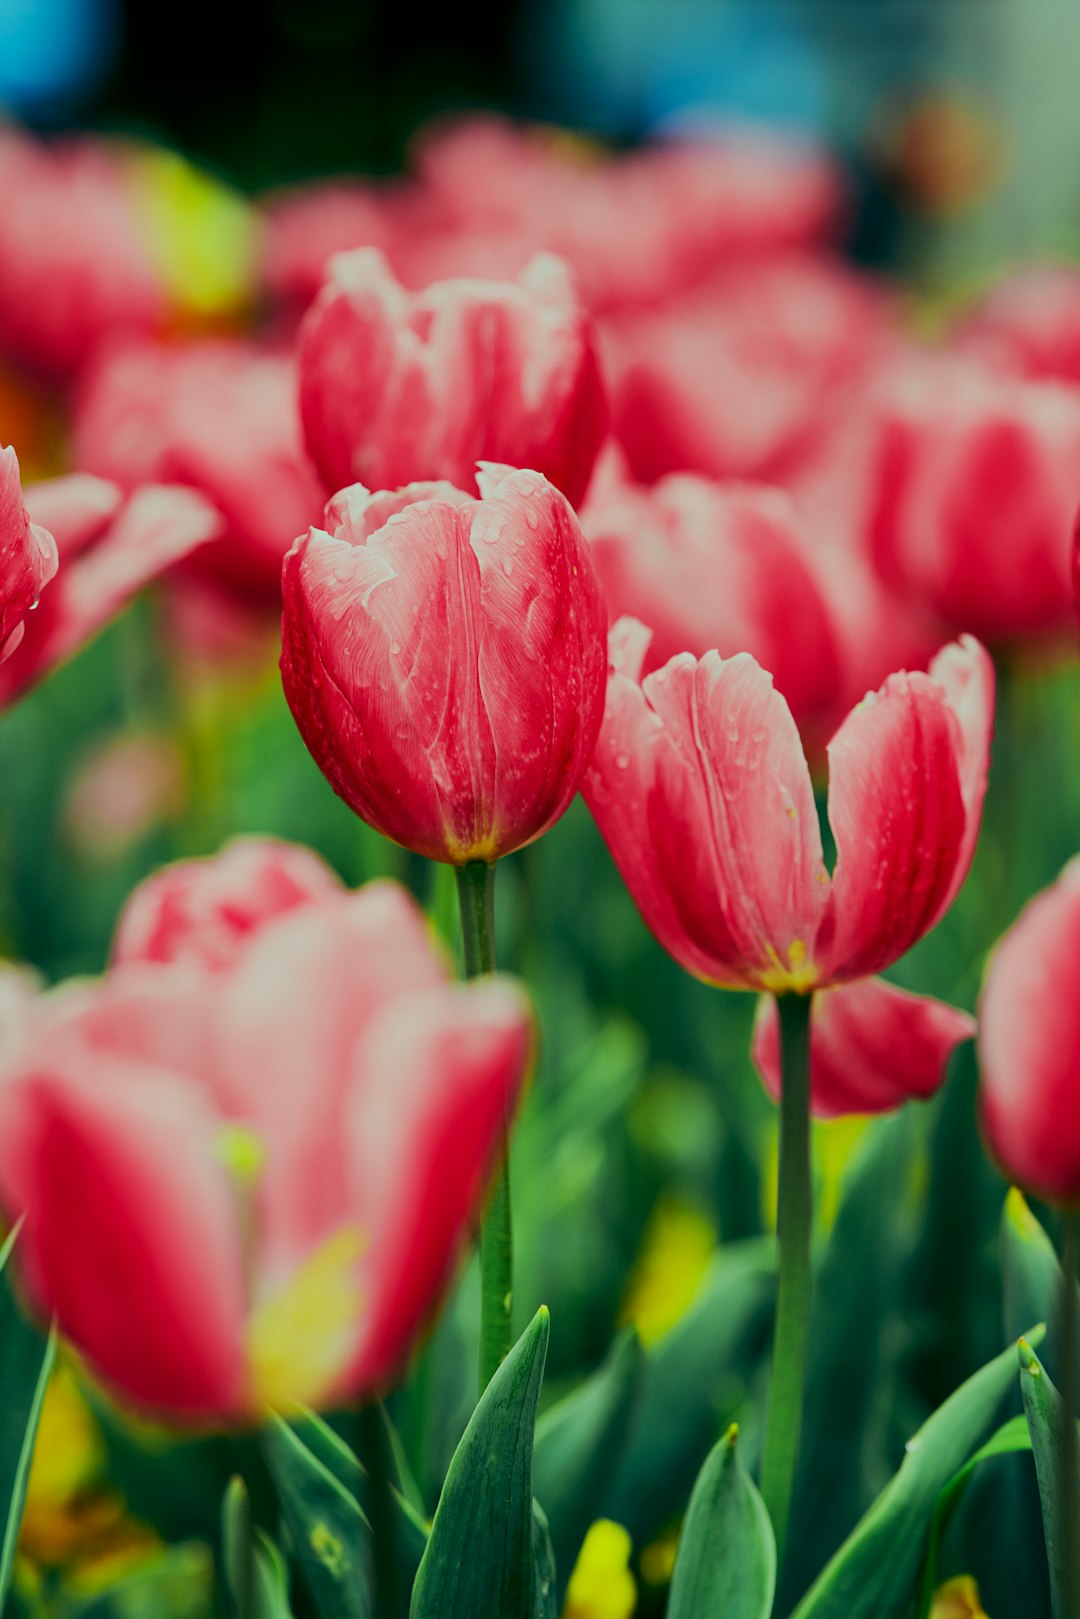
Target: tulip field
[539,924]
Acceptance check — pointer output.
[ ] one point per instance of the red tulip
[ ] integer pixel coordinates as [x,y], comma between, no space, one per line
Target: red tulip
[444,660]
[204,912]
[1030,324]
[28,557]
[712,565]
[1029,1045]
[701,790]
[74,263]
[221,418]
[398,386]
[741,377]
[874,1046]
[110,549]
[245,1188]
[978,479]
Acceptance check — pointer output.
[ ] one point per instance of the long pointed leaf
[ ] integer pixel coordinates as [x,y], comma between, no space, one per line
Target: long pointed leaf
[726,1562]
[26,1359]
[329,1531]
[479,1557]
[1045,1418]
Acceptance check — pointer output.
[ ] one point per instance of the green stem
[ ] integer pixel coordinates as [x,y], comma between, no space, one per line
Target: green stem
[784,1412]
[476,885]
[1069,1481]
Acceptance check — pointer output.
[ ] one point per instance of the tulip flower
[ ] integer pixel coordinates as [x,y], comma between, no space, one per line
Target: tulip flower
[443,658]
[1029,324]
[712,565]
[1029,1047]
[397,386]
[700,787]
[220,417]
[74,264]
[742,376]
[977,483]
[243,1188]
[28,557]
[204,912]
[110,548]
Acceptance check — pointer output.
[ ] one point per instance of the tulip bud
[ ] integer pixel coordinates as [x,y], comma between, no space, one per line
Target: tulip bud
[398,386]
[444,660]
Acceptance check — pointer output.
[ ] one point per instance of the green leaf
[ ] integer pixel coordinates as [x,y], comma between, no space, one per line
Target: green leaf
[254,1571]
[875,1572]
[328,1529]
[1032,1277]
[726,1562]
[26,1359]
[692,1378]
[1045,1419]
[579,1444]
[546,1603]
[479,1557]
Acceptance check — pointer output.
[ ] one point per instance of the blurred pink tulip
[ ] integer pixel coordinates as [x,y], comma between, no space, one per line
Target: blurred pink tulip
[220,417]
[713,565]
[700,788]
[397,387]
[444,659]
[74,265]
[110,548]
[245,1188]
[1029,1045]
[203,912]
[741,377]
[28,557]
[978,482]
[874,1046]
[1030,324]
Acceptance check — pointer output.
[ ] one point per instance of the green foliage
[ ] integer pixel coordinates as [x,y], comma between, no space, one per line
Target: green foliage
[726,1562]
[26,1360]
[480,1556]
[327,1528]
[1046,1422]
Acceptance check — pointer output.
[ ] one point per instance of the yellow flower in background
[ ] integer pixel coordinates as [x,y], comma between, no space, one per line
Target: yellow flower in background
[602,1586]
[70,1517]
[958,1599]
[679,1242]
[202,236]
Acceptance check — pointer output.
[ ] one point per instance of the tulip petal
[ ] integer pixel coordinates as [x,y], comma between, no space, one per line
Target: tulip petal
[28,557]
[897,811]
[420,1147]
[290,1018]
[131,1232]
[1029,1045]
[873,1047]
[75,509]
[733,822]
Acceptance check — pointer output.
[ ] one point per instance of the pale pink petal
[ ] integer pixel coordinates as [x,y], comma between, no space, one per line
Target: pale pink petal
[873,1047]
[75,509]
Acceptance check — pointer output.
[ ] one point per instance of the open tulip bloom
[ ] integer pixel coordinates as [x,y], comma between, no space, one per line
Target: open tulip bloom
[246,1161]
[701,790]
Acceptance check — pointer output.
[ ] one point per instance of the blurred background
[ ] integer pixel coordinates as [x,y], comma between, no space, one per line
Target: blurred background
[951,118]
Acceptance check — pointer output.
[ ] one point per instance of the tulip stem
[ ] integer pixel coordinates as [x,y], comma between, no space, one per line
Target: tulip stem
[783,1418]
[1068,1493]
[476,887]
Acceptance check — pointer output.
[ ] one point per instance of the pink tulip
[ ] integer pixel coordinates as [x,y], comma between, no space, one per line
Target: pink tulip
[397,387]
[1030,324]
[74,264]
[1029,1045]
[221,418]
[700,788]
[712,565]
[110,549]
[444,660]
[978,479]
[246,1188]
[203,912]
[874,1046]
[28,557]
[741,377]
